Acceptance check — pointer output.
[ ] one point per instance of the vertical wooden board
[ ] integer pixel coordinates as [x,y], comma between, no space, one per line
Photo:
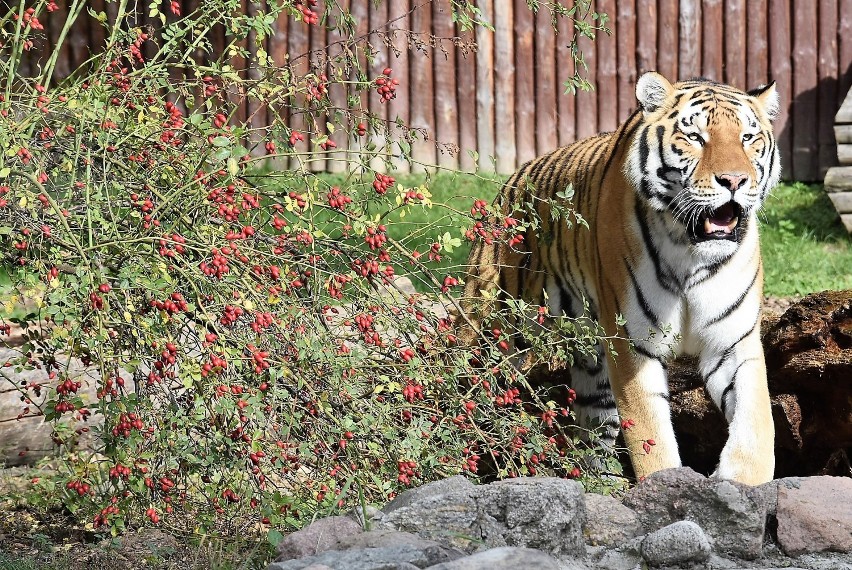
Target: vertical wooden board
[667,44]
[338,114]
[398,108]
[444,69]
[504,95]
[713,34]
[238,62]
[805,87]
[646,36]
[545,83]
[827,72]
[607,82]
[689,23]
[422,91]
[485,89]
[378,24]
[467,97]
[524,82]
[780,71]
[735,43]
[276,112]
[317,64]
[587,101]
[626,21]
[844,49]
[297,45]
[78,39]
[757,40]
[256,109]
[565,102]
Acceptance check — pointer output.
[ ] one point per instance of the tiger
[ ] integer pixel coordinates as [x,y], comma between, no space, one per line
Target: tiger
[671,199]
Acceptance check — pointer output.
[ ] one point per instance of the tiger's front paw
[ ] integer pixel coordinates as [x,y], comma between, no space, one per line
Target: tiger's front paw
[751,462]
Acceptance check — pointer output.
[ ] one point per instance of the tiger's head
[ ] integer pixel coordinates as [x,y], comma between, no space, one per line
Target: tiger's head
[706,154]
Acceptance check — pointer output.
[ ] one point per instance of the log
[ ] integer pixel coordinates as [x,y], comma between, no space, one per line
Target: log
[838,179]
[844,115]
[809,365]
[842,201]
[844,154]
[843,134]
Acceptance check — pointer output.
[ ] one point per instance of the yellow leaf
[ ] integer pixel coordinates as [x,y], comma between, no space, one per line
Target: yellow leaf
[23,202]
[128,317]
[248,305]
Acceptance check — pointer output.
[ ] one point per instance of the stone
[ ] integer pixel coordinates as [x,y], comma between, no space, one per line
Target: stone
[429,490]
[725,510]
[608,522]
[816,516]
[382,538]
[507,558]
[624,557]
[400,557]
[317,537]
[679,542]
[543,513]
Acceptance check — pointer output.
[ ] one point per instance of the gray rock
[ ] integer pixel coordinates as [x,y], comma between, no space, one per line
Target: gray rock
[608,522]
[401,557]
[625,557]
[505,558]
[679,542]
[382,538]
[319,536]
[733,519]
[543,513]
[767,494]
[816,516]
[457,484]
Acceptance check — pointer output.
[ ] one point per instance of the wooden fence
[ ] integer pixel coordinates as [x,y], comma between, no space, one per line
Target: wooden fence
[507,102]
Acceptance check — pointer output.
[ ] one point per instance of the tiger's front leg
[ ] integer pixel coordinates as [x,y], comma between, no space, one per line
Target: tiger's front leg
[735,376]
[640,386]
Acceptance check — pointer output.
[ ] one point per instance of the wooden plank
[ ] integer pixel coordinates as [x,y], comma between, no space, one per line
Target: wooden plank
[466,95]
[545,83]
[565,102]
[256,109]
[378,20]
[827,92]
[277,114]
[337,92]
[504,74]
[400,57]
[446,121]
[842,201]
[422,92]
[297,45]
[844,34]
[713,54]
[780,68]
[524,82]
[626,38]
[805,86]
[667,38]
[838,179]
[844,154]
[587,101]
[689,57]
[844,114]
[735,43]
[485,89]
[843,133]
[757,40]
[646,39]
[607,82]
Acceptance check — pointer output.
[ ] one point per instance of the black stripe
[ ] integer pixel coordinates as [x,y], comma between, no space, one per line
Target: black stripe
[722,402]
[662,279]
[640,296]
[624,133]
[728,351]
[603,400]
[731,308]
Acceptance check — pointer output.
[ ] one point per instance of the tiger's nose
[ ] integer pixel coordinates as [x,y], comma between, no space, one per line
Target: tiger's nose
[732,181]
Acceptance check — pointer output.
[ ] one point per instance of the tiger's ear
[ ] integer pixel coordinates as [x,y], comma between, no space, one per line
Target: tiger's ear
[652,90]
[767,97]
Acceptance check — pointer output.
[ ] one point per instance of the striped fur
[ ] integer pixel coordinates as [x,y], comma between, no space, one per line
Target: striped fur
[671,199]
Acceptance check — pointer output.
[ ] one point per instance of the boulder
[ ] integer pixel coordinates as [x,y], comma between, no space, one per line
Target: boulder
[727,512]
[815,515]
[319,536]
[679,542]
[400,557]
[608,522]
[507,558]
[543,513]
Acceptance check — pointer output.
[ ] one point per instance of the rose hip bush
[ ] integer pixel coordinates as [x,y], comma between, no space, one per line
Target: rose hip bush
[255,356]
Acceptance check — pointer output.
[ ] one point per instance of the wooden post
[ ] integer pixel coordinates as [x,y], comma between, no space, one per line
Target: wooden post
[586,117]
[278,111]
[646,38]
[712,56]
[545,83]
[524,83]
[805,86]
[446,121]
[378,21]
[690,38]
[466,94]
[485,89]
[780,66]
[297,45]
[565,102]
[422,90]
[504,95]
[827,94]
[667,34]
[337,94]
[399,61]
[626,21]
[607,82]
[844,33]
[735,43]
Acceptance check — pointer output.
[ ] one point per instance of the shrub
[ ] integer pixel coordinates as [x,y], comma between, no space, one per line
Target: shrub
[257,358]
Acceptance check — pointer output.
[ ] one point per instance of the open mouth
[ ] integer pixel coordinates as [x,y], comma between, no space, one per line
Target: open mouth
[719,224]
